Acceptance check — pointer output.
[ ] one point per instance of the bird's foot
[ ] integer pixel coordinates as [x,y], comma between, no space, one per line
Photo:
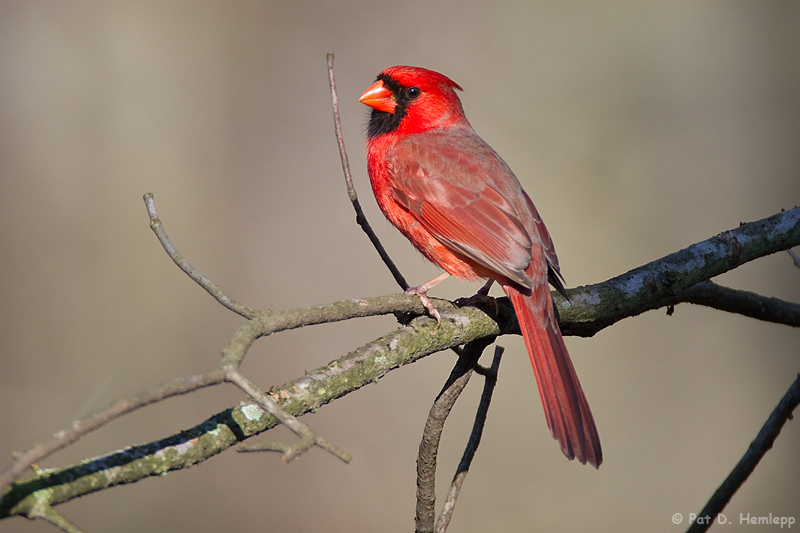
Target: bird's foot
[422,293]
[481,298]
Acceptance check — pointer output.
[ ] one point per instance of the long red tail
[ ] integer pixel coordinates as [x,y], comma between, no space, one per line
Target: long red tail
[565,407]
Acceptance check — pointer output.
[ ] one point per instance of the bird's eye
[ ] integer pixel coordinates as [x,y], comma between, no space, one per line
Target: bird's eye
[414,92]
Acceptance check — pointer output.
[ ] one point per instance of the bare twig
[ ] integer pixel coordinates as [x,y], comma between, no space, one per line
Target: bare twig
[231,362]
[81,427]
[490,376]
[45,512]
[207,284]
[745,303]
[337,124]
[758,448]
[429,446]
[308,437]
[288,452]
[233,354]
[351,190]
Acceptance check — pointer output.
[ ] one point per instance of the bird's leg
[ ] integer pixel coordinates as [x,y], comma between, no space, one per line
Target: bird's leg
[422,292]
[482,296]
[484,291]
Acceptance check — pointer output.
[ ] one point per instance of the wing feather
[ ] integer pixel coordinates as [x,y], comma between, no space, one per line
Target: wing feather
[465,195]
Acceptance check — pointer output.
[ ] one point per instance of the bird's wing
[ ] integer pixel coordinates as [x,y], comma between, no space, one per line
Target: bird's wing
[460,190]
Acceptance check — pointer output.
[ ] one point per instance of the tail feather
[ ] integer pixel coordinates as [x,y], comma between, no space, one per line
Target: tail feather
[565,407]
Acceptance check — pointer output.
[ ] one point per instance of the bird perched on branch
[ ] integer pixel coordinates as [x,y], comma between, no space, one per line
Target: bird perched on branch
[460,205]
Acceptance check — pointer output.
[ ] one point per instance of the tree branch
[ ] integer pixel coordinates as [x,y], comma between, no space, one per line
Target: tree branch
[177,258]
[308,437]
[429,446]
[365,365]
[758,448]
[745,303]
[656,284]
[590,309]
[490,381]
[81,427]
[351,190]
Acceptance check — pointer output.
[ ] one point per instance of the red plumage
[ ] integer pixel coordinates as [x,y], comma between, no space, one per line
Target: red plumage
[460,205]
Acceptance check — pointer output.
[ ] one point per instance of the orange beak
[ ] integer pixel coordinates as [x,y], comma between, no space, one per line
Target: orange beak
[379,97]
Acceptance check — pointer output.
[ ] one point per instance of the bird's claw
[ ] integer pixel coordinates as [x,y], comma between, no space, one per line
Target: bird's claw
[426,303]
[481,300]
[481,297]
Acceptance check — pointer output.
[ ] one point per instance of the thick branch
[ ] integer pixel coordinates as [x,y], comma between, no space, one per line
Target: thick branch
[656,284]
[263,324]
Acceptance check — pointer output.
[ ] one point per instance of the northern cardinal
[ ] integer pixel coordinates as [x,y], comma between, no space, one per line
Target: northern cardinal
[460,205]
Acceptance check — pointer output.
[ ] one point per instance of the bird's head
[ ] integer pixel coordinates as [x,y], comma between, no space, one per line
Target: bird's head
[411,100]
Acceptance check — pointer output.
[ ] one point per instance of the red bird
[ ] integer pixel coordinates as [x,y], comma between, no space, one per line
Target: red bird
[460,205]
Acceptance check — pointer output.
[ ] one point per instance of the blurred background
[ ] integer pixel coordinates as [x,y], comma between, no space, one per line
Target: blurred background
[638,128]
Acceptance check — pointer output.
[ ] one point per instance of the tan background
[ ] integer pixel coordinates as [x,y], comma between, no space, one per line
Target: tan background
[638,128]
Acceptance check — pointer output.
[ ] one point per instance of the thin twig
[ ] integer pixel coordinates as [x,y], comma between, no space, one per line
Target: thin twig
[758,448]
[337,124]
[48,513]
[429,446]
[85,425]
[210,287]
[288,452]
[740,302]
[474,441]
[361,219]
[308,437]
